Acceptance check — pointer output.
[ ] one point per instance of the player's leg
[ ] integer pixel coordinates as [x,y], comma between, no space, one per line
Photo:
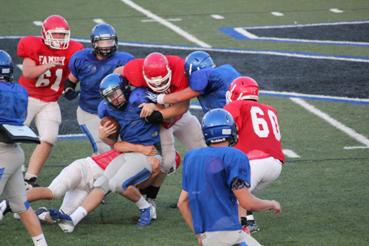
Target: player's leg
[89,124]
[47,123]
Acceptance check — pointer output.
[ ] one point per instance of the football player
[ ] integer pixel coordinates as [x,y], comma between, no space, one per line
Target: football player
[259,135]
[165,74]
[127,170]
[207,82]
[45,68]
[13,111]
[88,67]
[214,178]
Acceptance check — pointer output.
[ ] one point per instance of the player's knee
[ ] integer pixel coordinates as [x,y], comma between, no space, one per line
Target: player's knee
[57,192]
[139,177]
[19,205]
[102,182]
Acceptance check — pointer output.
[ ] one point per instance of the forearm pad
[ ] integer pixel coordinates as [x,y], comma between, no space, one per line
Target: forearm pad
[69,84]
[155,118]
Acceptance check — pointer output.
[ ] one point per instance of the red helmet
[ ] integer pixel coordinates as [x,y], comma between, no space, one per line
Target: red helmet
[156,72]
[243,88]
[55,32]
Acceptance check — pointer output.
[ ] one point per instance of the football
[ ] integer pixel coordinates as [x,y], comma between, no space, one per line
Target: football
[111,121]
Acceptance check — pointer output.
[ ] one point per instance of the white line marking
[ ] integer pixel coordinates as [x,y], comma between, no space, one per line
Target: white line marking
[229,51]
[37,23]
[99,21]
[217,17]
[170,19]
[277,13]
[167,24]
[352,133]
[312,24]
[355,147]
[290,153]
[245,33]
[336,11]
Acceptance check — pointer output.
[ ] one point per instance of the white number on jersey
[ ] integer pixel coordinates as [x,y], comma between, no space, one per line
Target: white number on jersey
[260,125]
[44,79]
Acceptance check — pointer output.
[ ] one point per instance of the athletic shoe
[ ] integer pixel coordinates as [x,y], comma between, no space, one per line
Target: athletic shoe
[253,227]
[66,227]
[3,206]
[145,217]
[64,220]
[154,215]
[43,215]
[31,183]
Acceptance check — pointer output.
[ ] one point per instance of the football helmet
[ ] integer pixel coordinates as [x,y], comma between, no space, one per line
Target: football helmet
[115,90]
[55,32]
[157,73]
[198,60]
[218,126]
[243,88]
[6,66]
[104,39]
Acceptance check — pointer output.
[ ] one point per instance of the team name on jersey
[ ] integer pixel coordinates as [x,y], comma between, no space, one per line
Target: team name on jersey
[58,60]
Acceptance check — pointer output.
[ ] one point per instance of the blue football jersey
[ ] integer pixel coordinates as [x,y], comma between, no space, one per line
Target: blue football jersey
[133,129]
[212,84]
[13,103]
[207,176]
[90,71]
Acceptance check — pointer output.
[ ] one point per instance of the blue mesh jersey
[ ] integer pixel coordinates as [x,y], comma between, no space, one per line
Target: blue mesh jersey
[90,71]
[133,129]
[212,84]
[207,176]
[13,103]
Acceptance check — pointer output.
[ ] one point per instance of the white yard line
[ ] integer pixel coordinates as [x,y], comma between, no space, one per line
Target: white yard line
[170,19]
[245,33]
[99,21]
[350,132]
[290,153]
[217,17]
[167,24]
[336,11]
[37,23]
[275,13]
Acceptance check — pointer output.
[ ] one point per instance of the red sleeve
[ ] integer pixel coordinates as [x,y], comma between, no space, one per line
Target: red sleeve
[179,78]
[132,71]
[27,47]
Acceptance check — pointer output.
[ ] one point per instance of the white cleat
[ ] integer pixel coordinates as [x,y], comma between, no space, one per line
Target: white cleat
[44,215]
[66,226]
[153,213]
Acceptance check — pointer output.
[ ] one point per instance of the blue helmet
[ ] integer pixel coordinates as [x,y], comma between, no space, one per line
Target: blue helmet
[107,33]
[198,60]
[218,126]
[6,66]
[113,87]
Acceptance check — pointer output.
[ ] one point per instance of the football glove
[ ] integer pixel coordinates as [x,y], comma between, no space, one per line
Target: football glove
[155,118]
[70,93]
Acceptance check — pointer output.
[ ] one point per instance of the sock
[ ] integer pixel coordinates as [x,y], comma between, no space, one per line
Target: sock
[142,203]
[78,215]
[152,192]
[39,240]
[29,176]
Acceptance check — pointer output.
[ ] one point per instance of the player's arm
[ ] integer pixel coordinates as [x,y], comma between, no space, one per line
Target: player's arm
[105,131]
[123,146]
[250,202]
[175,110]
[31,70]
[173,98]
[184,208]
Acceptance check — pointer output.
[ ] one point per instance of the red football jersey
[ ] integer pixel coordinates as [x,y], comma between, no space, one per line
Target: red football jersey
[258,129]
[104,159]
[133,72]
[49,85]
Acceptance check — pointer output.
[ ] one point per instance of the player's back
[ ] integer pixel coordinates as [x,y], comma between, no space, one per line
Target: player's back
[13,103]
[207,176]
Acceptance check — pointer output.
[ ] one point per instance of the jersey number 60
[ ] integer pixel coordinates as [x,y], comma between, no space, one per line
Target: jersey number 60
[260,125]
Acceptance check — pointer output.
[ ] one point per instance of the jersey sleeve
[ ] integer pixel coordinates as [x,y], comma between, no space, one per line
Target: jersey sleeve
[237,166]
[184,173]
[198,81]
[27,48]
[102,109]
[74,64]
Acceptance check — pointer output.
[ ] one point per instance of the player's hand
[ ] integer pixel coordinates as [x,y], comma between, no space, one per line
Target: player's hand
[106,130]
[148,150]
[155,164]
[276,207]
[70,94]
[147,109]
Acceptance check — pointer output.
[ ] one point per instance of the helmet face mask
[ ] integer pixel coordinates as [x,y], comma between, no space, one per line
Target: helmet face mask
[6,66]
[104,40]
[115,90]
[55,32]
[243,88]
[218,126]
[198,60]
[157,73]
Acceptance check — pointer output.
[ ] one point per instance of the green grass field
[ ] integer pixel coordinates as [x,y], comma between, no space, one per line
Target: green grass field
[324,193]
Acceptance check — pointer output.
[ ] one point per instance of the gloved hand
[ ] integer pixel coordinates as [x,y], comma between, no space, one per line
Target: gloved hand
[70,93]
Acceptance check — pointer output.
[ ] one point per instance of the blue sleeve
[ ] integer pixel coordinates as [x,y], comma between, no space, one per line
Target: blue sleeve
[184,174]
[102,109]
[237,166]
[73,65]
[199,80]
[138,96]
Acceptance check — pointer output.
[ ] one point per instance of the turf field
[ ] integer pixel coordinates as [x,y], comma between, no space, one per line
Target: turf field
[318,49]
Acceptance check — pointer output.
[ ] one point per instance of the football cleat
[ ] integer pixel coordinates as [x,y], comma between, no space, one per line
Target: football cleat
[44,215]
[66,226]
[252,226]
[145,217]
[30,183]
[154,216]
[4,208]
[64,220]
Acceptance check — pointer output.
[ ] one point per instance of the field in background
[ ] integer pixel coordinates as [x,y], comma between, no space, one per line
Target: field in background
[324,192]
